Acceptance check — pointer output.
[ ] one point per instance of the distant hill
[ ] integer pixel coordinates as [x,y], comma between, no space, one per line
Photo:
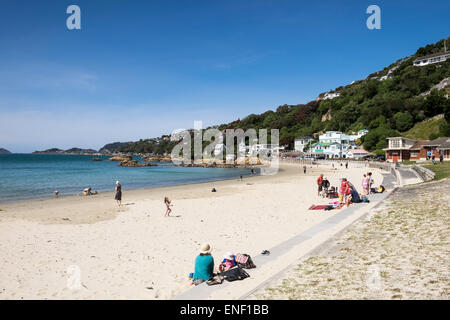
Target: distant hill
[68,151]
[112,147]
[4,151]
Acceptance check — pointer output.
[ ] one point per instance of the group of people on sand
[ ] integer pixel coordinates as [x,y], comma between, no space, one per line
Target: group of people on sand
[347,192]
[204,270]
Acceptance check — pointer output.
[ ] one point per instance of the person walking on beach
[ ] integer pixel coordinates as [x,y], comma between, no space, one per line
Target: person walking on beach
[346,165]
[304,169]
[168,205]
[319,184]
[118,196]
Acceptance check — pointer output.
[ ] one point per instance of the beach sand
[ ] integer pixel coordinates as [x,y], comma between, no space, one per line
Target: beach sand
[134,252]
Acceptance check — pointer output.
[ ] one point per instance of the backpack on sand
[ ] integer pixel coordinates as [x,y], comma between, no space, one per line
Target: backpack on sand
[234,274]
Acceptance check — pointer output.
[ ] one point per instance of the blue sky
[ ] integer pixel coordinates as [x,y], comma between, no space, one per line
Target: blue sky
[139,69]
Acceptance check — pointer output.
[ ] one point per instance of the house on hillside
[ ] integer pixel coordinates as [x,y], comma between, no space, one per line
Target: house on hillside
[405,149]
[328,95]
[432,58]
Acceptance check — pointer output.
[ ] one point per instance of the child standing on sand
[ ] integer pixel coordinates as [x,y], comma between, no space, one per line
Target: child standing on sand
[168,205]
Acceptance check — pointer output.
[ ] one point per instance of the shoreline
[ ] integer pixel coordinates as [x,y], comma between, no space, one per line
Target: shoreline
[69,195]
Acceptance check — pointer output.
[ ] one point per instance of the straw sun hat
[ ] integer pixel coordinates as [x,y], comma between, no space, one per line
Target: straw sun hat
[205,248]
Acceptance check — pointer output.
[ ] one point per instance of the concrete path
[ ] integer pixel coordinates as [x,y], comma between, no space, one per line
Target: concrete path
[408,176]
[289,251]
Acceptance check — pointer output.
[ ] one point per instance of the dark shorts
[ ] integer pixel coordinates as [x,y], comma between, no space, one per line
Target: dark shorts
[118,196]
[320,188]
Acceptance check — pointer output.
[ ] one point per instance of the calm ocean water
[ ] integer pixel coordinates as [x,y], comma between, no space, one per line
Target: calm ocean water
[35,176]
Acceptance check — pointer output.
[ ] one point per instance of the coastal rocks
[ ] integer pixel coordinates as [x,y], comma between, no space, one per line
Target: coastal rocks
[135,163]
[121,158]
[247,162]
[96,159]
[158,159]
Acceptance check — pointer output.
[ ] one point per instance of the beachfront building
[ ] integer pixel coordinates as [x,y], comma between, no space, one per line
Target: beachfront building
[268,149]
[326,149]
[432,58]
[301,143]
[399,149]
[357,153]
[335,144]
[405,149]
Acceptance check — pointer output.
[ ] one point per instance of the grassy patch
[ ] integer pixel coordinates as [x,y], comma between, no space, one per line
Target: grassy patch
[422,130]
[442,170]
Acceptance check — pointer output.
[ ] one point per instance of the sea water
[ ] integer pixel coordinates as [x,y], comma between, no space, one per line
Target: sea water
[36,176]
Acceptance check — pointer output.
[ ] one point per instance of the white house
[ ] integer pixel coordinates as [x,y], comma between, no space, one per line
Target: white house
[300,143]
[335,144]
[356,153]
[432,58]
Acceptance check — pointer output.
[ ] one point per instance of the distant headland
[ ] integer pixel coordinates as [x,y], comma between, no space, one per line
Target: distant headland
[77,151]
[4,151]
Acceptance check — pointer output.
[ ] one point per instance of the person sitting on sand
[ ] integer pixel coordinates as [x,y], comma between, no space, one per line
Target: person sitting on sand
[87,191]
[204,265]
[168,205]
[118,196]
[229,261]
[325,185]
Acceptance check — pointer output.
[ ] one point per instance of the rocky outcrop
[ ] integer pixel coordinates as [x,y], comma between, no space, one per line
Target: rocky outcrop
[96,159]
[4,151]
[158,159]
[135,163]
[121,158]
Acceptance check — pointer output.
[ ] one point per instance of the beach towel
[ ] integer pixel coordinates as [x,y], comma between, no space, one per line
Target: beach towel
[317,207]
[244,261]
[240,258]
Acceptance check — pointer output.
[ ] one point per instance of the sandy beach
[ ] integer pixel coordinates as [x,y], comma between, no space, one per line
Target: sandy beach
[134,252]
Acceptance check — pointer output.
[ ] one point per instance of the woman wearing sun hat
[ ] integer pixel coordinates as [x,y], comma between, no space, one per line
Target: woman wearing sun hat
[204,265]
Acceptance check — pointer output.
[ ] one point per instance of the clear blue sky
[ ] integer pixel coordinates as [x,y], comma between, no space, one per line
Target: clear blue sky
[139,69]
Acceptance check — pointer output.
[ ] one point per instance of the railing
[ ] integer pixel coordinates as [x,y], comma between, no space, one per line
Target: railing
[424,173]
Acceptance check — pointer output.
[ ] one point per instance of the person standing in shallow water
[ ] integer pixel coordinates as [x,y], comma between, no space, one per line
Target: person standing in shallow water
[118,196]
